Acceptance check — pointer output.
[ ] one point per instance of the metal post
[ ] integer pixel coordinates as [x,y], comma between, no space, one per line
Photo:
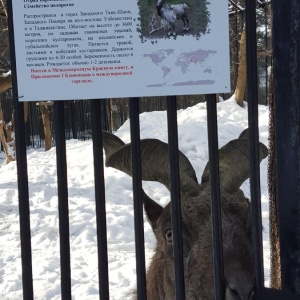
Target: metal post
[252,92]
[22,174]
[213,149]
[63,207]
[100,200]
[286,55]
[73,120]
[104,119]
[137,198]
[175,197]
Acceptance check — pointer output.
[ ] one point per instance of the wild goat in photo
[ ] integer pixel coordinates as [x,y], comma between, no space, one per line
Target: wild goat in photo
[196,219]
[170,13]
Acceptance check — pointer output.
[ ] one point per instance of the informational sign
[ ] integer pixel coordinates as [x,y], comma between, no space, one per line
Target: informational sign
[75,49]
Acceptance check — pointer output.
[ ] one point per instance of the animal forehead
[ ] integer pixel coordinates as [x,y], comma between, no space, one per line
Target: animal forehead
[164,221]
[189,215]
[196,214]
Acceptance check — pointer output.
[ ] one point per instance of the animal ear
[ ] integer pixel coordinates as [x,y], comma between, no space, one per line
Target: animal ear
[244,134]
[234,163]
[154,163]
[111,143]
[153,210]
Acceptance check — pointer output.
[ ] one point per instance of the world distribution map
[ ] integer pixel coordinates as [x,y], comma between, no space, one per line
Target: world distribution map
[183,61]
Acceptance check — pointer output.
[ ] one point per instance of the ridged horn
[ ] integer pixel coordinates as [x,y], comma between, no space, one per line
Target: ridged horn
[234,162]
[155,165]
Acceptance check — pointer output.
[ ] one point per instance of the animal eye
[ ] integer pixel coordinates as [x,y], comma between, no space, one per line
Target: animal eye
[169,236]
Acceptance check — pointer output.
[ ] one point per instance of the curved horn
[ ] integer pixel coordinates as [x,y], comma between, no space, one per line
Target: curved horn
[234,162]
[154,162]
[155,165]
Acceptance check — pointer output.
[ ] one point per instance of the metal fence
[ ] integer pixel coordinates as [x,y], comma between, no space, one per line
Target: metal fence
[287,100]
[77,116]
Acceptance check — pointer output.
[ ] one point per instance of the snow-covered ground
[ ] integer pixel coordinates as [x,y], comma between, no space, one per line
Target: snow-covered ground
[192,132]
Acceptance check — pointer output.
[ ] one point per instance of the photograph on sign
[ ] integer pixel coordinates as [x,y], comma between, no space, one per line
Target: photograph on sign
[72,49]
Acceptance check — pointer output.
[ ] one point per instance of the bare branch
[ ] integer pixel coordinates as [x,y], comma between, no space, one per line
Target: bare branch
[153,23]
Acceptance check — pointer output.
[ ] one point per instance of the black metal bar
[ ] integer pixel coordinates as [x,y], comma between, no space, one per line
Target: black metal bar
[272,294]
[137,198]
[104,115]
[286,57]
[252,92]
[63,207]
[175,197]
[100,200]
[22,174]
[24,207]
[32,127]
[213,149]
[73,120]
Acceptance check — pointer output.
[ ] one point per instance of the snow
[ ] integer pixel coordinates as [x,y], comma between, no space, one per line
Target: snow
[192,135]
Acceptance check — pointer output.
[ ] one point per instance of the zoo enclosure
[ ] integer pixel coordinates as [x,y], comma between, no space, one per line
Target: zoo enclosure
[286,49]
[77,116]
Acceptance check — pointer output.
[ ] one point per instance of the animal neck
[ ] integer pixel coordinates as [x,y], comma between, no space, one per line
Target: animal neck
[156,275]
[159,6]
[159,12]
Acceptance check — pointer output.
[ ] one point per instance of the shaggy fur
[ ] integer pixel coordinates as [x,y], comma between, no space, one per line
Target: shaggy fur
[196,220]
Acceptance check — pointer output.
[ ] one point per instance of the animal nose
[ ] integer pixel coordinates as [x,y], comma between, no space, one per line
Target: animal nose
[239,281]
[241,292]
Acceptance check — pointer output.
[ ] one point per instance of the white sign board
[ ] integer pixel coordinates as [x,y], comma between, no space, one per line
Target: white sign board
[75,49]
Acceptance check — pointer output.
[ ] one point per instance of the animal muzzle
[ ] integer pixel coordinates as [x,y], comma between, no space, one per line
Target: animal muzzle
[240,292]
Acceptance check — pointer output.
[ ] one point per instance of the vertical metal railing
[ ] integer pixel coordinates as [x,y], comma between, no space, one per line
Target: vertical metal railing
[137,198]
[22,173]
[100,199]
[63,206]
[252,92]
[24,208]
[213,149]
[286,55]
[175,197]
[23,195]
[290,208]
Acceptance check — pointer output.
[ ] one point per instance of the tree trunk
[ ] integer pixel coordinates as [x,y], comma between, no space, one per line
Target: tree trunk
[112,115]
[9,129]
[275,265]
[46,123]
[242,73]
[26,108]
[9,157]
[5,83]
[234,47]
